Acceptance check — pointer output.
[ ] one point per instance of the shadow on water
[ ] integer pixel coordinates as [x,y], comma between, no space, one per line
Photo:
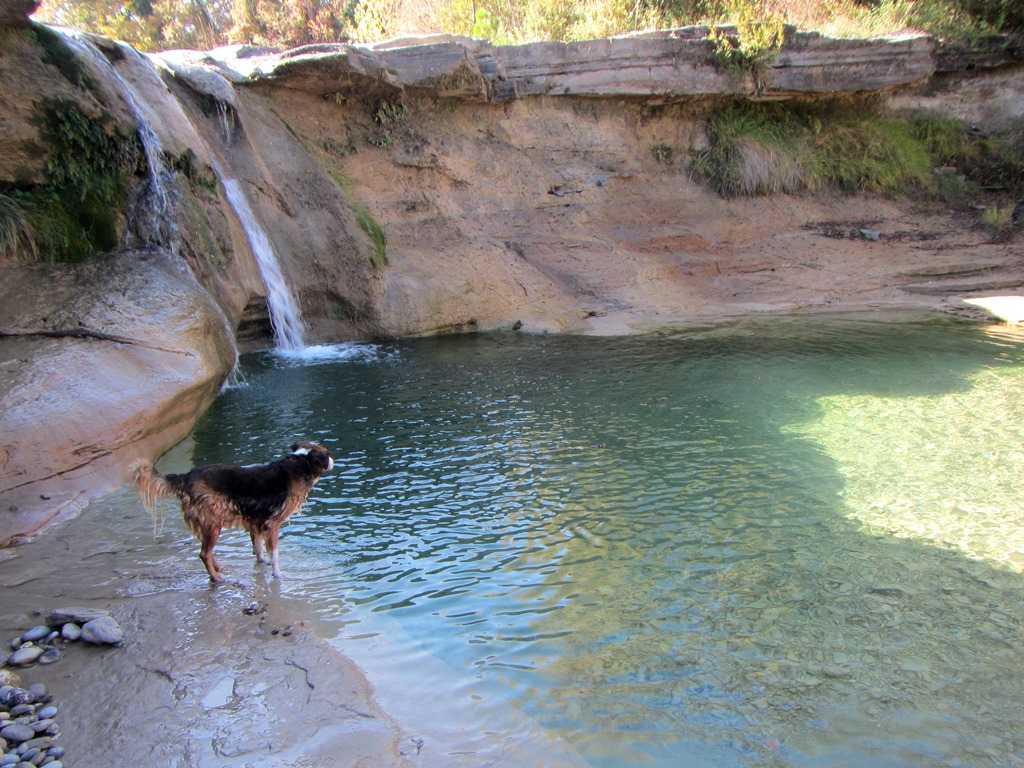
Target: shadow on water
[776,543]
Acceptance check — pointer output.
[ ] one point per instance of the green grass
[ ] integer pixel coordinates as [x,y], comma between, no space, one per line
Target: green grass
[16,234]
[759,149]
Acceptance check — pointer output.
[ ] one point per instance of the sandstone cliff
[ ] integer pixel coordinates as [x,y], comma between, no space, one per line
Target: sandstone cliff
[418,187]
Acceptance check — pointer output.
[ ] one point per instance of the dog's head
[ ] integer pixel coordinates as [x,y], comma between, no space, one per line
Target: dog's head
[315,453]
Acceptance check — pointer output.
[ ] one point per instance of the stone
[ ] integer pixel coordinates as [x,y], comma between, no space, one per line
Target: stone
[18,732]
[47,713]
[25,656]
[103,631]
[76,615]
[36,633]
[49,656]
[71,631]
[12,697]
[15,13]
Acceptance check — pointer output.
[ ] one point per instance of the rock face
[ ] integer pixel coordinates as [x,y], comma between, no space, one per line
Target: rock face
[411,187]
[15,13]
[90,383]
[658,65]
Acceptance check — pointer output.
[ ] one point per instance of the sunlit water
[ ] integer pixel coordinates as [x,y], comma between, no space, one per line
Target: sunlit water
[778,543]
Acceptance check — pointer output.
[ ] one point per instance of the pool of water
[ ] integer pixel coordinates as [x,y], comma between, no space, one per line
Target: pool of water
[782,543]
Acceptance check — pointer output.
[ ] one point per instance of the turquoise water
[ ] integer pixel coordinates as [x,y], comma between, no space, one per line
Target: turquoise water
[775,543]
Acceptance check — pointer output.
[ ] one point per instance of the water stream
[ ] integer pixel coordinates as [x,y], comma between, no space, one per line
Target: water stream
[778,543]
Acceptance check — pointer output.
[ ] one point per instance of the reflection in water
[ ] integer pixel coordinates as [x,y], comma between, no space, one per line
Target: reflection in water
[669,550]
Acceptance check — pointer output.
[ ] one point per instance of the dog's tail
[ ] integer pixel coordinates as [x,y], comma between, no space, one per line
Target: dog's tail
[153,487]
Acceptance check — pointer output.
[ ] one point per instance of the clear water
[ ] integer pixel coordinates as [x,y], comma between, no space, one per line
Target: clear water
[791,542]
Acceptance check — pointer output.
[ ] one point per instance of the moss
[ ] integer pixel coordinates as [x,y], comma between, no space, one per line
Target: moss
[76,215]
[376,233]
[57,54]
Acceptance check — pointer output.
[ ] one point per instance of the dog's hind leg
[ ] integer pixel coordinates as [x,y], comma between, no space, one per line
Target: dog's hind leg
[272,546]
[206,554]
[258,547]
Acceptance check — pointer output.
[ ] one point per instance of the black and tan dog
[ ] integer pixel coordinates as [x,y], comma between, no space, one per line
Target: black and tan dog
[258,498]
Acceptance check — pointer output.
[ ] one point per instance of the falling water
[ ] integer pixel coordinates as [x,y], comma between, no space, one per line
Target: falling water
[160,229]
[281,302]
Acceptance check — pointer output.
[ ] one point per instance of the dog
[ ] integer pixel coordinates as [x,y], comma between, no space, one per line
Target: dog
[217,496]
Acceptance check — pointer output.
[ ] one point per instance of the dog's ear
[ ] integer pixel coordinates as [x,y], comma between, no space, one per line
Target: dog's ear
[295,447]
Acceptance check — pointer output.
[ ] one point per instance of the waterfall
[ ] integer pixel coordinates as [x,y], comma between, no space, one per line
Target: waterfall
[285,316]
[160,229]
[281,302]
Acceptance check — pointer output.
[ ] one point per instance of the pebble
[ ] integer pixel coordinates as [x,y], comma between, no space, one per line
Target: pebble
[31,738]
[17,732]
[28,726]
[25,656]
[36,633]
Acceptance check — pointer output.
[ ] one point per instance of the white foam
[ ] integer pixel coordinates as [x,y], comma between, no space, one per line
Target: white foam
[330,353]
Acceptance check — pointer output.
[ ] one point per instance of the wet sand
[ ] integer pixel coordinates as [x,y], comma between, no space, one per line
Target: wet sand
[239,674]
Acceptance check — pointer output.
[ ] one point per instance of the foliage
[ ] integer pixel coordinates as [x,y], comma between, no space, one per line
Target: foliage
[759,149]
[204,24]
[389,113]
[162,24]
[755,40]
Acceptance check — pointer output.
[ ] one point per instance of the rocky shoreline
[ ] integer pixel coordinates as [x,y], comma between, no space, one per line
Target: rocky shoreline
[28,728]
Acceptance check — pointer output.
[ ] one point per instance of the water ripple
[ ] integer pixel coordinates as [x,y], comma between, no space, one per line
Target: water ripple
[645,546]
